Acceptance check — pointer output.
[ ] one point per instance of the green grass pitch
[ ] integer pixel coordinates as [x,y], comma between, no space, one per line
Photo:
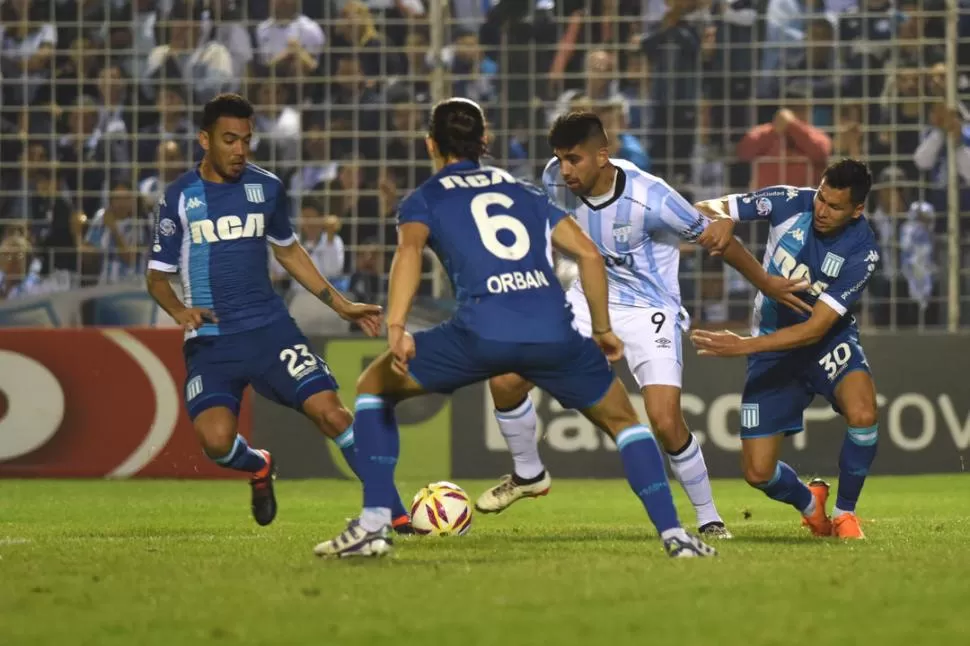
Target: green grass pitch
[172,563]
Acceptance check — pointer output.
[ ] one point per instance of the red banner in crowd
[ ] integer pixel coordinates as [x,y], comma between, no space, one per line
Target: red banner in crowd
[91,403]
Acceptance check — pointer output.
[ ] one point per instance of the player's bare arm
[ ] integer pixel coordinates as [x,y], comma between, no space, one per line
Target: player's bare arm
[403,284]
[160,288]
[570,238]
[297,262]
[729,344]
[734,253]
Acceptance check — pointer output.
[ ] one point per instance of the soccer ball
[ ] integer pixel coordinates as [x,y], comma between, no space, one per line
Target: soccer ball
[441,509]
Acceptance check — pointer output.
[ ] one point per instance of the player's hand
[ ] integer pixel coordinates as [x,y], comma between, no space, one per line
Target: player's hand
[368,317]
[782,290]
[402,348]
[718,344]
[192,318]
[717,236]
[610,344]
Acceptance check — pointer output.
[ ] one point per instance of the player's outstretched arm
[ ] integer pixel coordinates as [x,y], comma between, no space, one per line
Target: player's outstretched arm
[160,288]
[729,344]
[405,274]
[570,238]
[297,262]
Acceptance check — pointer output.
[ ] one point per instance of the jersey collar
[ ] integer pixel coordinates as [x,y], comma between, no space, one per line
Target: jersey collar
[619,185]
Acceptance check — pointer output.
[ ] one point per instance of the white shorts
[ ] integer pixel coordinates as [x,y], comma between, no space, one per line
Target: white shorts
[651,339]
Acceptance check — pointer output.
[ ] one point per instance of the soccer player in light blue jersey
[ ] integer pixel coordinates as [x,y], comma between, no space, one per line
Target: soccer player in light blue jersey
[638,223]
[494,235]
[820,237]
[212,228]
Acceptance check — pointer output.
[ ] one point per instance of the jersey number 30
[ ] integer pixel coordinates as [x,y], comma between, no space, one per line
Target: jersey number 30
[490,225]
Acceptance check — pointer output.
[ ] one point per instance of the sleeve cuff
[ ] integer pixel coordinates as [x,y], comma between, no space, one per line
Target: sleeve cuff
[829,300]
[285,242]
[158,265]
[733,208]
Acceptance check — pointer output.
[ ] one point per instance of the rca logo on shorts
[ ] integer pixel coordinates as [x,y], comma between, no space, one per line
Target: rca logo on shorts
[750,416]
[194,388]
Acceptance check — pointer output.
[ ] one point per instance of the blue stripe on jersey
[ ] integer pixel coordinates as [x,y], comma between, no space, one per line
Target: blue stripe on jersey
[200,285]
[624,209]
[793,246]
[654,203]
[596,227]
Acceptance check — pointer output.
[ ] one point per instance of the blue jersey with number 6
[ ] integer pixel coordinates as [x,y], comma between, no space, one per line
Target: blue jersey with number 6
[493,235]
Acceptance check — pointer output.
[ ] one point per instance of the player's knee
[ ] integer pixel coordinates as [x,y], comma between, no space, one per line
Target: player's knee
[508,391]
[757,474]
[217,433]
[328,414]
[667,428]
[861,416]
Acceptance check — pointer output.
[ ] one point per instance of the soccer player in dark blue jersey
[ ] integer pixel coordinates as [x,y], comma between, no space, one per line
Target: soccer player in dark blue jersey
[212,227]
[493,234]
[819,236]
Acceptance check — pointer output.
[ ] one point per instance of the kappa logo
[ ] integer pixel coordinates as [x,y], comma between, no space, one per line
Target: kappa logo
[798,234]
[621,233]
[254,193]
[193,203]
[873,256]
[832,264]
[791,193]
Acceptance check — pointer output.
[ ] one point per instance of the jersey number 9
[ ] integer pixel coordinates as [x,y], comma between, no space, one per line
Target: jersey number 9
[490,225]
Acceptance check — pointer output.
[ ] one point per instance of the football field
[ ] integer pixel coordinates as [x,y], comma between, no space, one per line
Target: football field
[162,563]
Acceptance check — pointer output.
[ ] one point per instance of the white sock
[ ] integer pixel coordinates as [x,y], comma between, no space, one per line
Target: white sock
[518,427]
[372,519]
[678,532]
[690,470]
[808,511]
[836,512]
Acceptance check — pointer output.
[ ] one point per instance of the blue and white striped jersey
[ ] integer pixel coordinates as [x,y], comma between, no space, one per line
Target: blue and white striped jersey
[638,228]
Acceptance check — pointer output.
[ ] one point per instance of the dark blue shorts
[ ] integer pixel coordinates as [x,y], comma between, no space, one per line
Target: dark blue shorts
[276,360]
[778,389]
[448,357]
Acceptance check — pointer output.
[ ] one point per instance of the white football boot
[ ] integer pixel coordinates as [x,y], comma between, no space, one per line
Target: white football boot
[506,492]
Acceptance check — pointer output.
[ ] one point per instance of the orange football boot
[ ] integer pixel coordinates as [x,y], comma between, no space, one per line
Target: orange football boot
[819,521]
[847,526]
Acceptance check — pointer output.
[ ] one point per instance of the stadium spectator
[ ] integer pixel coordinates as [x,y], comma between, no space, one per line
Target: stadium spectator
[317,166]
[27,42]
[169,163]
[364,285]
[276,141]
[229,30]
[119,234]
[76,73]
[174,123]
[472,72]
[789,150]
[19,277]
[289,43]
[186,59]
[930,156]
[358,33]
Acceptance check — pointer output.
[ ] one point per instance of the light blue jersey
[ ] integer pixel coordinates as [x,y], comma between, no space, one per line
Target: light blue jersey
[638,227]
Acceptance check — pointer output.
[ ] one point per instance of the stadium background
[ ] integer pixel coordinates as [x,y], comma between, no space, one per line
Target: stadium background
[99,100]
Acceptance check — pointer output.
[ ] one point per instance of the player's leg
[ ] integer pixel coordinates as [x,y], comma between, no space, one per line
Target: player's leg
[586,382]
[854,395]
[442,363]
[291,374]
[516,417]
[772,405]
[328,413]
[212,399]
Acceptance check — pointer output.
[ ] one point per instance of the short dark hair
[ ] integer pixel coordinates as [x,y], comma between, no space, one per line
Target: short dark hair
[458,129]
[851,174]
[575,128]
[225,105]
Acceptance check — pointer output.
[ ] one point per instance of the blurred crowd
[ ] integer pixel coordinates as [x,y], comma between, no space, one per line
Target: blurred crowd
[100,97]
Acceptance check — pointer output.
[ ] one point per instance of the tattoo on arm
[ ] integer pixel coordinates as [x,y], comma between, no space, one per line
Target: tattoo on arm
[326,296]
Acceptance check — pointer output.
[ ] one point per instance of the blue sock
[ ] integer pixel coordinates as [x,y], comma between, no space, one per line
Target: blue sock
[786,487]
[241,457]
[858,452]
[347,446]
[647,475]
[378,446]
